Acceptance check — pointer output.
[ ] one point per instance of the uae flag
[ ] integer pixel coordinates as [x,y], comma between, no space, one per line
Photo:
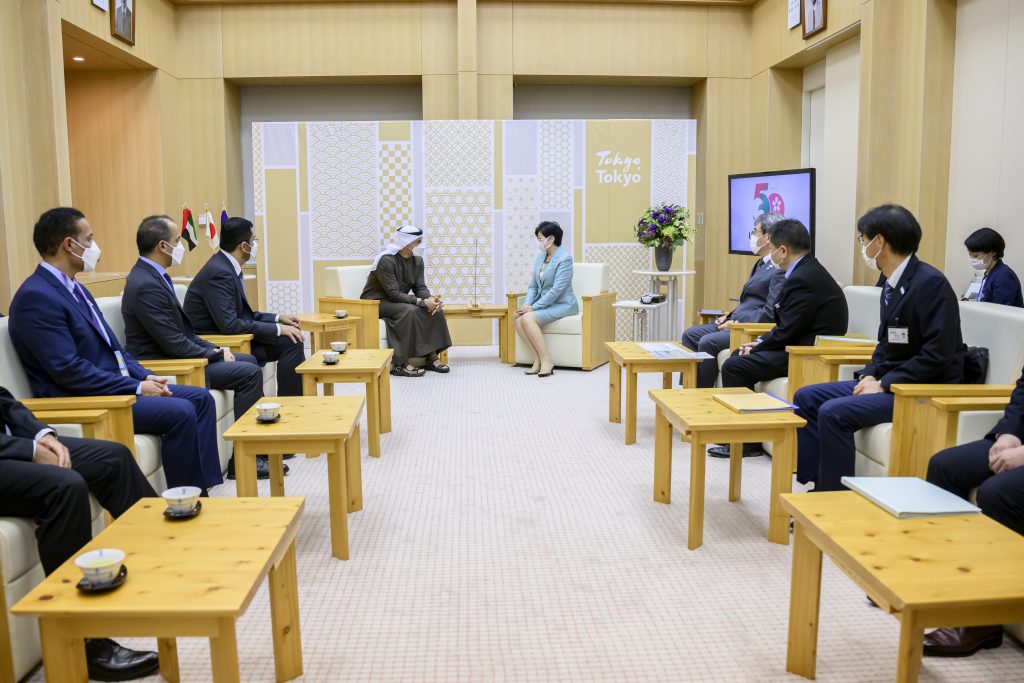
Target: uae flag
[188,229]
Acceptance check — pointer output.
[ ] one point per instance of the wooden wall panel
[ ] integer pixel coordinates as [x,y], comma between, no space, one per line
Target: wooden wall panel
[440,38]
[494,92]
[440,96]
[609,40]
[772,43]
[155,42]
[729,33]
[117,172]
[494,37]
[295,41]
[198,51]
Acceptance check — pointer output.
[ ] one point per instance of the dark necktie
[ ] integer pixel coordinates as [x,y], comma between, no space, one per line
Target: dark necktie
[886,294]
[170,283]
[83,302]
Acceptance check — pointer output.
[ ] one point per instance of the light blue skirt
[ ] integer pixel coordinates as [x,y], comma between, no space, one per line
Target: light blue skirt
[552,313]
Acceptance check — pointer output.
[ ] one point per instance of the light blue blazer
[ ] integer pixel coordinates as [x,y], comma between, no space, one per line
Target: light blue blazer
[551,294]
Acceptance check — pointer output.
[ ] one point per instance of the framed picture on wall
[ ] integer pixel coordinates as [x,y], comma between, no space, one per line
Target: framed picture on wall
[814,12]
[122,20]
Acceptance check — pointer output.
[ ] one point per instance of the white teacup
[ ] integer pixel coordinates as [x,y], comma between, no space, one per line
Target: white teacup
[339,346]
[100,566]
[268,411]
[181,498]
[341,313]
[330,357]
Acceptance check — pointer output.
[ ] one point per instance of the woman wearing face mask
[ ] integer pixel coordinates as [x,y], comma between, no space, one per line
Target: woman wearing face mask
[548,298]
[999,284]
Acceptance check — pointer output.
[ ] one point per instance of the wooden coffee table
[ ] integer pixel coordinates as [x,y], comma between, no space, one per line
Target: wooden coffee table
[187,578]
[371,367]
[314,424]
[484,312]
[695,413]
[326,327]
[963,570]
[632,357]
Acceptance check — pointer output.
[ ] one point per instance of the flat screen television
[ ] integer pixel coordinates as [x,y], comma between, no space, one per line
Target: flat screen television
[790,193]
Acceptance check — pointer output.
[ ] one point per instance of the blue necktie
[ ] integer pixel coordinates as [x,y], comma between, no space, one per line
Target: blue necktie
[886,294]
[170,283]
[83,301]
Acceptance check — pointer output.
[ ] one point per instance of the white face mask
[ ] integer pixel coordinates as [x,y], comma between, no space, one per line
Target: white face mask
[254,248]
[754,240]
[418,251]
[177,254]
[772,261]
[871,261]
[90,256]
[978,263]
[542,245]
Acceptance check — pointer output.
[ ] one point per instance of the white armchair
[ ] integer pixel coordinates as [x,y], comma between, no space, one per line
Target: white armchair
[576,341]
[343,286]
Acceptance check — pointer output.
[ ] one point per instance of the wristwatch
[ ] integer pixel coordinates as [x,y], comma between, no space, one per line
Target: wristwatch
[419,302]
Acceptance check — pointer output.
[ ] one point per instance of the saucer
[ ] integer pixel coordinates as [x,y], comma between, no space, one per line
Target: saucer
[260,420]
[170,514]
[327,362]
[340,317]
[87,586]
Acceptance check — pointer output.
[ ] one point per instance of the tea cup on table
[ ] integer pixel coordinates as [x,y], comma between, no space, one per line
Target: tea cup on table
[181,498]
[341,313]
[100,566]
[330,357]
[339,346]
[268,411]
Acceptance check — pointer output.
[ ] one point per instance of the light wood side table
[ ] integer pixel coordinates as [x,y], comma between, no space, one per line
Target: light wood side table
[483,312]
[371,367]
[632,357]
[324,328]
[314,424]
[696,413]
[186,579]
[961,570]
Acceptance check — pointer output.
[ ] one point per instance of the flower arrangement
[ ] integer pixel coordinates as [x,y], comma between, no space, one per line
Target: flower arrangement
[665,225]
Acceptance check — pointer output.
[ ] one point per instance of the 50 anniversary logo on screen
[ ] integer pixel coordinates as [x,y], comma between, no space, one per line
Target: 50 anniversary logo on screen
[768,203]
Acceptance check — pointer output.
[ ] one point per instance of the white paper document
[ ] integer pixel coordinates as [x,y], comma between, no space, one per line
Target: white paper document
[667,350]
[908,497]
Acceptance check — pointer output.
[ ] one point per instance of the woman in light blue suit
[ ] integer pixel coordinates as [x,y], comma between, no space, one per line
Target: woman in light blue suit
[549,297]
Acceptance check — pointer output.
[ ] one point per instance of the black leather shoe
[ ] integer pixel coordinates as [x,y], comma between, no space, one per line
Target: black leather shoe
[962,642]
[750,450]
[262,468]
[108,661]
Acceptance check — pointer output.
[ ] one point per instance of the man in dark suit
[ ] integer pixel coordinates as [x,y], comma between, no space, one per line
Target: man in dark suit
[49,479]
[757,304]
[810,303]
[995,466]
[919,342]
[67,349]
[156,327]
[216,304]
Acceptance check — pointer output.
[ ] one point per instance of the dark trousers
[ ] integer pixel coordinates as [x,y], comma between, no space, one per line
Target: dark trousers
[58,499]
[825,449]
[288,356]
[962,468]
[243,376]
[187,426]
[757,366]
[709,339]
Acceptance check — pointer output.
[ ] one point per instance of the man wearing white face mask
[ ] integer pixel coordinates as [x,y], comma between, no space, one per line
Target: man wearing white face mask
[216,304]
[155,325]
[919,342]
[757,305]
[68,349]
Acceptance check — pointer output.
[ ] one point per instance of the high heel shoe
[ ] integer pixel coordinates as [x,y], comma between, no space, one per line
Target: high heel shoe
[546,374]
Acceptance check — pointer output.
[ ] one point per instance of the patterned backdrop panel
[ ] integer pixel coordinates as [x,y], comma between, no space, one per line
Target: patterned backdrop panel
[459,154]
[396,194]
[284,296]
[669,167]
[521,208]
[259,188]
[343,195]
[455,219]
[622,260]
[556,164]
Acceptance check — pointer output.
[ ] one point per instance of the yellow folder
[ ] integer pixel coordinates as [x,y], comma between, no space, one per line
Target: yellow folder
[753,403]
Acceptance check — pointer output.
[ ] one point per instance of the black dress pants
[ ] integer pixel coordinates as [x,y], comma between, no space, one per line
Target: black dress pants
[58,498]
[244,376]
[289,356]
[757,366]
[965,467]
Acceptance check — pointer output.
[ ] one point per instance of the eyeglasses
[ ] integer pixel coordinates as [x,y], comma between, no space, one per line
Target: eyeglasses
[755,231]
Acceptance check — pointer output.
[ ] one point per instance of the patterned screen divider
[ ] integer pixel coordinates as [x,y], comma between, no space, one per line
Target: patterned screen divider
[332,192]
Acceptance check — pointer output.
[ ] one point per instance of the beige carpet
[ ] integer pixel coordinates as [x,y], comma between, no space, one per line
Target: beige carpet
[509,535]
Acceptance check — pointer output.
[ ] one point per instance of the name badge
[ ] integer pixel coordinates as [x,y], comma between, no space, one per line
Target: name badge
[121,365]
[899,335]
